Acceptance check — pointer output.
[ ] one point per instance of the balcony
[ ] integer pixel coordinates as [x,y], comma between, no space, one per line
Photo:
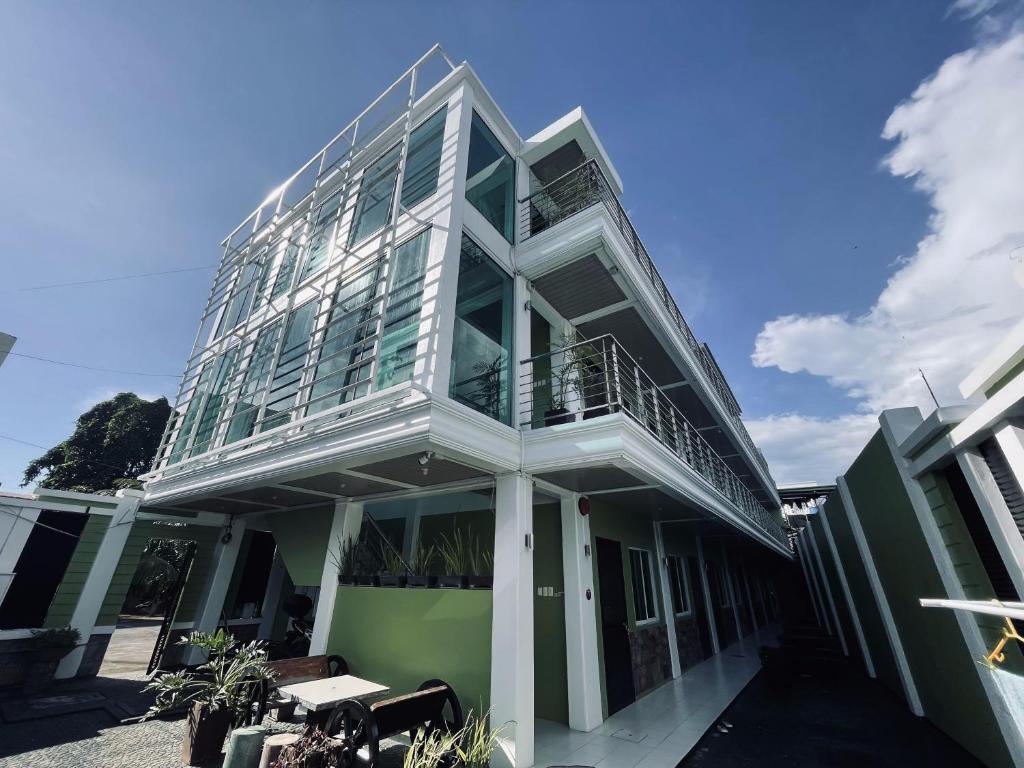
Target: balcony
[598,377]
[586,186]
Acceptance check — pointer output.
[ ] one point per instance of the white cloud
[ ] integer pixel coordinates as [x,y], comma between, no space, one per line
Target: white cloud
[960,137]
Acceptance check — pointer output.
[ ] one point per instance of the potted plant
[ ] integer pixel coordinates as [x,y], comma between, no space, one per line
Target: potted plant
[218,694]
[345,561]
[420,562]
[476,742]
[365,563]
[569,378]
[454,553]
[315,749]
[481,566]
[393,572]
[47,647]
[489,386]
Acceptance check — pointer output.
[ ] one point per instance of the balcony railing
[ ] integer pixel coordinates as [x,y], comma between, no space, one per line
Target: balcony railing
[586,186]
[596,377]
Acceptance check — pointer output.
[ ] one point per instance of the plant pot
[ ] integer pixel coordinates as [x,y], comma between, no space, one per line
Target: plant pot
[421,581]
[364,581]
[593,413]
[391,580]
[451,581]
[205,731]
[554,416]
[481,582]
[346,579]
[40,672]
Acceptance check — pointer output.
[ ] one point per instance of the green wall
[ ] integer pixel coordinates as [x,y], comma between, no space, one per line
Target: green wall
[551,697]
[70,588]
[941,665]
[142,531]
[402,637]
[301,537]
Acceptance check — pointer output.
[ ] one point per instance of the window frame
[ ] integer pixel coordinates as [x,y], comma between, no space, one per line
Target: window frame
[652,616]
[677,568]
[402,202]
[354,240]
[510,238]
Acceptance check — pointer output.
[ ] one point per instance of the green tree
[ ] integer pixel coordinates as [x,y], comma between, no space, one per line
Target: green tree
[113,443]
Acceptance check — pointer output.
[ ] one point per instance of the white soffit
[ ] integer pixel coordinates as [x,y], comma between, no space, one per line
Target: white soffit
[574,125]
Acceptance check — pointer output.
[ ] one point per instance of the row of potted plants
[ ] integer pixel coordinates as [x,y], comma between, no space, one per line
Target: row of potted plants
[456,561]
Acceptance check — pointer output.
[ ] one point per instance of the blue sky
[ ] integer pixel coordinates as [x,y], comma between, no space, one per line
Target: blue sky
[748,136]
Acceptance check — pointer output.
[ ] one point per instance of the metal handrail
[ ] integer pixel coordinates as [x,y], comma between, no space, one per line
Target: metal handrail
[598,376]
[560,199]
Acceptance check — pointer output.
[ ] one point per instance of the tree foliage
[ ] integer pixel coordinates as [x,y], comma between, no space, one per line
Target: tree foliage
[113,443]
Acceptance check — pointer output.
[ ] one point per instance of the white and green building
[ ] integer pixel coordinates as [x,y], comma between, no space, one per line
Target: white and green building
[439,329]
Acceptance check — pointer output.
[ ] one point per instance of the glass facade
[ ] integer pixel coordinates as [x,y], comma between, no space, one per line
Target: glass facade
[490,179]
[401,329]
[481,372]
[322,235]
[423,162]
[284,385]
[376,189]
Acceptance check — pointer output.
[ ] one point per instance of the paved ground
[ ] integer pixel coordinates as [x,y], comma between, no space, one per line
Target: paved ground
[840,719]
[131,647]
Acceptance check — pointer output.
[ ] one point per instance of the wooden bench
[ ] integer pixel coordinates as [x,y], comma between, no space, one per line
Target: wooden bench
[360,727]
[289,671]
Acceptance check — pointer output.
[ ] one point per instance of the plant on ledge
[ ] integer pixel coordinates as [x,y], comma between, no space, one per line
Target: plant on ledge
[420,562]
[393,569]
[47,648]
[219,693]
[454,551]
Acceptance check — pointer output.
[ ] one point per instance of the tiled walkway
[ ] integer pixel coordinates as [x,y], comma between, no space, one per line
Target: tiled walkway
[659,729]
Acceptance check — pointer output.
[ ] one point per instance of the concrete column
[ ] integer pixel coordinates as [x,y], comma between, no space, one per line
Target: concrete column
[812,592]
[272,597]
[348,519]
[521,401]
[224,558]
[816,558]
[512,623]
[666,600]
[709,608]
[732,594]
[750,599]
[94,590]
[1011,442]
[581,661]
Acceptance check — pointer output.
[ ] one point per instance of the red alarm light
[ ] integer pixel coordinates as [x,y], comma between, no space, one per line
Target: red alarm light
[584,505]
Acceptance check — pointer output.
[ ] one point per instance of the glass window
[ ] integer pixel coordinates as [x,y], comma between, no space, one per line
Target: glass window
[376,189]
[643,585]
[188,421]
[288,373]
[283,280]
[423,162]
[346,353]
[482,345]
[250,392]
[241,295]
[490,178]
[402,312]
[263,281]
[678,584]
[322,235]
[207,422]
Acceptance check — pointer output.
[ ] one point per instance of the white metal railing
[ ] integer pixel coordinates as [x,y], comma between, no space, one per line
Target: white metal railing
[596,377]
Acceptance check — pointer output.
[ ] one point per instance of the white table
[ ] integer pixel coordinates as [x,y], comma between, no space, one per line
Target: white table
[320,697]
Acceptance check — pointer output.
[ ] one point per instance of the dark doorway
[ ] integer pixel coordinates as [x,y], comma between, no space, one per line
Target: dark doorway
[700,607]
[618,667]
[40,568]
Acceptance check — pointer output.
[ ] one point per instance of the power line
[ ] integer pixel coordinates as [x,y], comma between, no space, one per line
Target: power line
[93,368]
[43,447]
[108,279]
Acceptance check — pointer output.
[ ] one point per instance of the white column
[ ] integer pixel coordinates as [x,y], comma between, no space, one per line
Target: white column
[15,526]
[583,672]
[854,615]
[272,597]
[94,590]
[811,591]
[708,607]
[816,557]
[906,678]
[732,594]
[666,600]
[348,519]
[521,401]
[1011,443]
[512,623]
[224,558]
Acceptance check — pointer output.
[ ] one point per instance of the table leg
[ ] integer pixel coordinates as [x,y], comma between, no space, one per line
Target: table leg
[318,719]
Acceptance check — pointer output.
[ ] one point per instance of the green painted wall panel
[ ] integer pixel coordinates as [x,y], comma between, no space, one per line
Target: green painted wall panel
[942,668]
[401,637]
[551,699]
[302,538]
[70,589]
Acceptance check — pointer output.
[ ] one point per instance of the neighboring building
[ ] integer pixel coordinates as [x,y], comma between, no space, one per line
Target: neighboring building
[932,508]
[439,333]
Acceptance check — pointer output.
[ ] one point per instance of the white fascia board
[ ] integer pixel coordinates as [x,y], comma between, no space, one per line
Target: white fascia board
[575,125]
[481,94]
[87,499]
[1007,403]
[457,432]
[940,420]
[1008,353]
